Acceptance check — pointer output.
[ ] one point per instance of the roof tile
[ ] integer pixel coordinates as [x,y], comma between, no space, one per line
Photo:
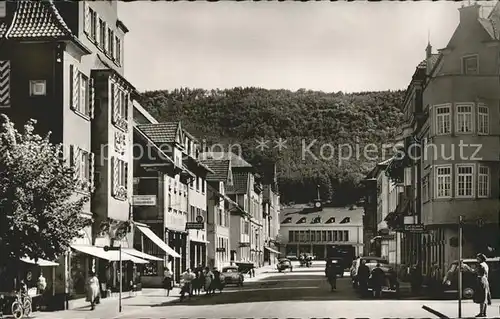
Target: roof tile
[37,20]
[220,168]
[240,184]
[236,160]
[160,133]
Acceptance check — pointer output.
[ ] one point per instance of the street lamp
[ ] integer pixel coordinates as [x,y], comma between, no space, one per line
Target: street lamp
[119,249]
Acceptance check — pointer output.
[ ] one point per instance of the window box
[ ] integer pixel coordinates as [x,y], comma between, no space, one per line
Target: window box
[121,193]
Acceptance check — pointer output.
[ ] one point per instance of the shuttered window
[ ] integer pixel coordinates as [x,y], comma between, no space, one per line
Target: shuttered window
[4,84]
[119,106]
[81,92]
[83,164]
[120,177]
[118,50]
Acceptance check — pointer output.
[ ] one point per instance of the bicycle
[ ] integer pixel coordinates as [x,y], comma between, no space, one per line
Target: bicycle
[22,306]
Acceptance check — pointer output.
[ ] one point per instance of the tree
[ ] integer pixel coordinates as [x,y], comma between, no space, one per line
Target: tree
[40,213]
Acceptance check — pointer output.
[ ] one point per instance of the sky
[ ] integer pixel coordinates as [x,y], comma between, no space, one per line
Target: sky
[327,46]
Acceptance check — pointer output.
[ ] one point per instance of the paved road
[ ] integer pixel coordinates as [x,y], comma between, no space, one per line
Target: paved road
[303,293]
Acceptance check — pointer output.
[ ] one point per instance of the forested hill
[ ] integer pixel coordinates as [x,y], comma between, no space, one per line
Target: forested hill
[244,115]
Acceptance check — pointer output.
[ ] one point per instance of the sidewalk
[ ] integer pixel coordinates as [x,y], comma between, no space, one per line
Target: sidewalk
[131,304]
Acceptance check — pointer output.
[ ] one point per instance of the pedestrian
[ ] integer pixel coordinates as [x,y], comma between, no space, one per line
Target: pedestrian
[167,281]
[208,278]
[187,279]
[483,294]
[378,279]
[41,284]
[363,277]
[332,277]
[92,290]
[218,281]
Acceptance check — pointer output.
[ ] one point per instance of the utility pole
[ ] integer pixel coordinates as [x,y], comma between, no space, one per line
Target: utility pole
[119,249]
[460,222]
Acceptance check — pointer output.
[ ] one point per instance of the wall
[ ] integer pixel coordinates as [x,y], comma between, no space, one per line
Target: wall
[176,216]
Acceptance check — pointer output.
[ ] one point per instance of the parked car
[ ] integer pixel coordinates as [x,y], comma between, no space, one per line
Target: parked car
[284,264]
[336,262]
[469,279]
[292,258]
[232,276]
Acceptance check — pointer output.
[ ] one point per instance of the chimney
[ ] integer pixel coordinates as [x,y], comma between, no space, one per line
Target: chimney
[428,51]
[470,13]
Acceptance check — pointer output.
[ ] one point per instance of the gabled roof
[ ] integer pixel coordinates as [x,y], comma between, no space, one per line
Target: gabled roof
[236,160]
[240,184]
[37,20]
[161,133]
[221,169]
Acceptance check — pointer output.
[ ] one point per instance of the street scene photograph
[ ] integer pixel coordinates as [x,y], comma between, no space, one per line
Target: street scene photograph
[249,159]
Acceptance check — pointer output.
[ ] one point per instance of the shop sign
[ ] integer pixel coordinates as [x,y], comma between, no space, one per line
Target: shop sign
[144,200]
[192,225]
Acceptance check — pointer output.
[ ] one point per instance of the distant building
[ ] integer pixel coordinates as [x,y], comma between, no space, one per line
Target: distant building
[330,232]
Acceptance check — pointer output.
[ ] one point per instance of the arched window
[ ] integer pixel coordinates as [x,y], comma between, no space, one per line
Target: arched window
[287,220]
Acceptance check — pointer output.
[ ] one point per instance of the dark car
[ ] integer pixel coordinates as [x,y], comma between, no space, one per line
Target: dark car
[284,264]
[232,276]
[391,278]
[337,263]
[469,277]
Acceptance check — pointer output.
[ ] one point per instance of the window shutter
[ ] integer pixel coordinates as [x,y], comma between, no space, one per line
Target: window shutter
[4,83]
[91,170]
[97,30]
[115,95]
[74,86]
[125,168]
[75,160]
[86,21]
[105,33]
[91,98]
[116,172]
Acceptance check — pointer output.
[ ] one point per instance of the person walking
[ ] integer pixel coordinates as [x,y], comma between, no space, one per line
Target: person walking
[378,278]
[167,281]
[187,278]
[331,274]
[483,293]
[92,290]
[363,277]
[218,281]
[208,278]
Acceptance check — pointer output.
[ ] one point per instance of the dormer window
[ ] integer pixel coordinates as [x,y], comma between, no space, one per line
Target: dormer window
[301,221]
[287,220]
[316,220]
[345,220]
[470,64]
[330,220]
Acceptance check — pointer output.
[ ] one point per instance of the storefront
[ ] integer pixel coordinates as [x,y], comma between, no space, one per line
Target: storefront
[106,265]
[271,255]
[178,241]
[197,253]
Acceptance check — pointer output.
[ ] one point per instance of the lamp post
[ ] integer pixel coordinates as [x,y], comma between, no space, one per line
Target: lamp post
[460,222]
[119,249]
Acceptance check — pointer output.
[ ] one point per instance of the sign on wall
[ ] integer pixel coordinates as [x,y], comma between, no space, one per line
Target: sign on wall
[144,200]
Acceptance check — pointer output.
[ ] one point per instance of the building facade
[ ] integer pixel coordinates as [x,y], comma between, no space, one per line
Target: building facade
[218,212]
[326,232]
[271,210]
[183,195]
[68,58]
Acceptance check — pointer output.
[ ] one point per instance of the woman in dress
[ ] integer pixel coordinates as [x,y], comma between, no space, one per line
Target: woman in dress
[209,276]
[167,281]
[483,294]
[92,289]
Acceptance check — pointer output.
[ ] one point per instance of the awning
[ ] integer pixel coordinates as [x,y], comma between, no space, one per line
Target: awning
[112,255]
[140,254]
[272,250]
[40,262]
[158,241]
[196,240]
